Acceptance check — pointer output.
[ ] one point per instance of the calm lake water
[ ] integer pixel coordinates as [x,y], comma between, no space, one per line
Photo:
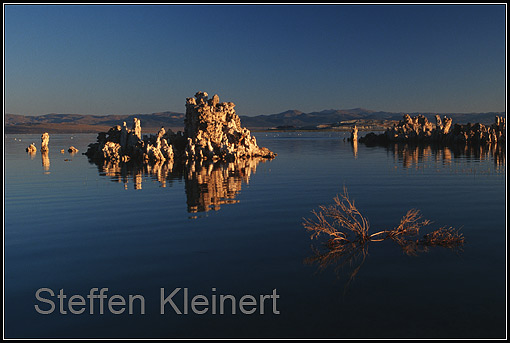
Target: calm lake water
[238,230]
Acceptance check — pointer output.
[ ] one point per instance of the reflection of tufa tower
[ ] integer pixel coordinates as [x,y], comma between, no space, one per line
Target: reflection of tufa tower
[209,187]
[354,141]
[45,159]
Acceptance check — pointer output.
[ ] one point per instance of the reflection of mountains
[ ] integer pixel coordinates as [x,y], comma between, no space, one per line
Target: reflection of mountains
[207,185]
[413,155]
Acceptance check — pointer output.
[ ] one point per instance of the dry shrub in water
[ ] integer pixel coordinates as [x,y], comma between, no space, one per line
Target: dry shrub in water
[447,238]
[343,215]
[444,237]
[409,225]
[344,224]
[348,234]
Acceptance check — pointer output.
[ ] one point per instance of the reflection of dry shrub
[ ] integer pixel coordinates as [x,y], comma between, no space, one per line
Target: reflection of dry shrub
[443,237]
[340,255]
[348,234]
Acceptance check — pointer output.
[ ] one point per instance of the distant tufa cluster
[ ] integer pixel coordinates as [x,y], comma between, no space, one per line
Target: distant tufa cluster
[45,139]
[212,131]
[419,130]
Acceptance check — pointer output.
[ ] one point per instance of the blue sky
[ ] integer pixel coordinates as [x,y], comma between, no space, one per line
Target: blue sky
[120,59]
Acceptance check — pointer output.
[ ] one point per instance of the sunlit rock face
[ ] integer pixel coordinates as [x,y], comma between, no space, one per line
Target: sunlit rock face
[213,131]
[419,130]
[72,150]
[443,126]
[123,144]
[45,139]
[215,155]
[32,149]
[411,128]
[354,134]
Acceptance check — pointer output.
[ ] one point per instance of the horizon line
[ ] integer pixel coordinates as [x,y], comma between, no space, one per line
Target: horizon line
[256,115]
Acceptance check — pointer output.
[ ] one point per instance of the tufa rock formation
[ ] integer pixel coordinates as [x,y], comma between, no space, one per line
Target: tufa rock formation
[72,150]
[45,139]
[31,149]
[419,130]
[121,144]
[354,134]
[212,132]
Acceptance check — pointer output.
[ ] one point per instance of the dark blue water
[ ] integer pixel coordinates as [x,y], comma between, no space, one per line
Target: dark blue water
[73,225]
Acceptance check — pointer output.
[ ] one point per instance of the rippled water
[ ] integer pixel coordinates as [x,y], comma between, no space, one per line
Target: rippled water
[238,228]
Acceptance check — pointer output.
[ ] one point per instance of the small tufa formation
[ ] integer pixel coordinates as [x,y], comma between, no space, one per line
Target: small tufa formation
[72,150]
[419,130]
[32,149]
[213,131]
[157,147]
[354,134]
[121,144]
[45,139]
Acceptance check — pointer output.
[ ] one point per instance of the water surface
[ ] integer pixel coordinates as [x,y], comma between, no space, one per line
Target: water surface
[74,225]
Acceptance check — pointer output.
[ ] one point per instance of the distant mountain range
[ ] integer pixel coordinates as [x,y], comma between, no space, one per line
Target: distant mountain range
[299,119]
[60,123]
[291,119]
